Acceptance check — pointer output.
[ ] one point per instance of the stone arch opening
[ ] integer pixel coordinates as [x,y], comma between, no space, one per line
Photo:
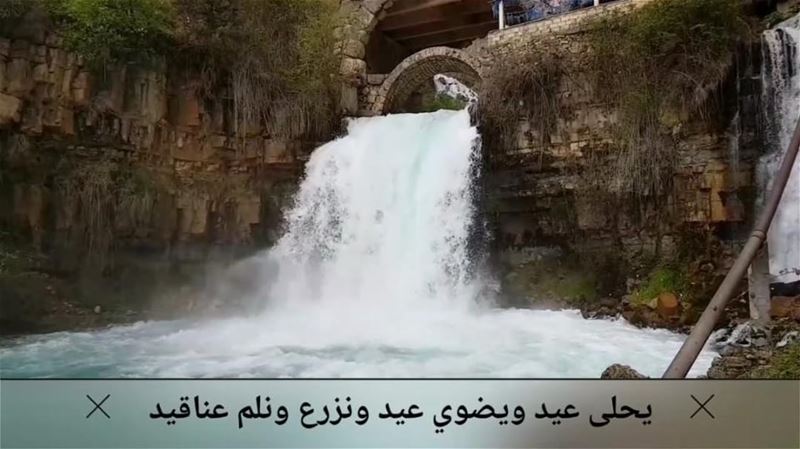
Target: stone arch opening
[376,35]
[411,82]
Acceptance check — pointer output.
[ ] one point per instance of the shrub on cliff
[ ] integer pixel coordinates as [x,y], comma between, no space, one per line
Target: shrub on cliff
[277,56]
[522,85]
[11,9]
[273,58]
[655,67]
[114,31]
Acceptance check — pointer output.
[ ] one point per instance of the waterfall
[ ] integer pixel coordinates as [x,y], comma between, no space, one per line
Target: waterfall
[389,204]
[781,98]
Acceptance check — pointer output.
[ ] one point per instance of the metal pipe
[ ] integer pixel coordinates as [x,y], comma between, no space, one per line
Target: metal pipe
[501,15]
[691,348]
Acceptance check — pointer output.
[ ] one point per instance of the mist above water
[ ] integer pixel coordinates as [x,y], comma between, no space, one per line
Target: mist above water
[375,276]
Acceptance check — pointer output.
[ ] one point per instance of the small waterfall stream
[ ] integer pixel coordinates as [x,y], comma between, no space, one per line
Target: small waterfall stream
[781,97]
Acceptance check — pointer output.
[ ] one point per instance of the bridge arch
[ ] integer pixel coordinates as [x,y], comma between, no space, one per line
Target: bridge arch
[417,71]
[375,36]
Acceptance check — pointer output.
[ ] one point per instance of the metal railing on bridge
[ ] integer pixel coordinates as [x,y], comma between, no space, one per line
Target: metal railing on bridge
[515,12]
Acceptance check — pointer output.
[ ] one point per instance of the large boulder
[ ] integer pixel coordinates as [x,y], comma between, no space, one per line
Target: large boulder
[667,305]
[621,372]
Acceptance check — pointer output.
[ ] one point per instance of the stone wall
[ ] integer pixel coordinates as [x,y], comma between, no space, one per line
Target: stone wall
[569,22]
[543,195]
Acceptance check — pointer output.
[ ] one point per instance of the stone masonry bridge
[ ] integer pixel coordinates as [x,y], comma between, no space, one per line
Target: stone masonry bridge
[392,48]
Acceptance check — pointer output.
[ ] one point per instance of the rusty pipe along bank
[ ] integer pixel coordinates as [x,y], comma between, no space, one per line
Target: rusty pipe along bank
[688,353]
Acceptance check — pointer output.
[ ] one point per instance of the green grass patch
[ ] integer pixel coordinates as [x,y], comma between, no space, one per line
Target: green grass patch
[114,31]
[661,280]
[785,365]
[439,102]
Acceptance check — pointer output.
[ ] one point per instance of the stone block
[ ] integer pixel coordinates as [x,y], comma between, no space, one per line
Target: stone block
[353,70]
[374,6]
[20,49]
[187,109]
[248,211]
[361,18]
[354,49]
[40,73]
[276,152]
[19,81]
[67,120]
[349,99]
[10,109]
[5,47]
[81,89]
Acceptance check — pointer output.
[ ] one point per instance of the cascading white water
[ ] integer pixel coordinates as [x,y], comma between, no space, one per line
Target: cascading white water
[781,96]
[374,277]
[383,218]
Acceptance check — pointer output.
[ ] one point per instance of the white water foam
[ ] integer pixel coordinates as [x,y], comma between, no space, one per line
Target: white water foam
[782,101]
[374,277]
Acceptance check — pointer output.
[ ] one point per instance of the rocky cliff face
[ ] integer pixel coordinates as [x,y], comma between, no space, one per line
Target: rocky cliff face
[126,176]
[543,195]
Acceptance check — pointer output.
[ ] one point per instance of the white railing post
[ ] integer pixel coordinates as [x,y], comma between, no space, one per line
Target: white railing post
[501,15]
[596,2]
[758,278]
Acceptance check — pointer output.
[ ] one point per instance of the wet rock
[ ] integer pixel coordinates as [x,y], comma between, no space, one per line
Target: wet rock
[747,335]
[788,339]
[741,363]
[668,306]
[10,108]
[608,302]
[720,336]
[785,307]
[729,367]
[748,351]
[621,372]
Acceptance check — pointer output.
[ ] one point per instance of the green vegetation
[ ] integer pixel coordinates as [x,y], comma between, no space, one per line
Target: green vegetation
[12,9]
[785,364]
[655,67]
[524,85]
[138,191]
[438,102]
[114,31]
[270,62]
[276,55]
[101,197]
[665,279]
